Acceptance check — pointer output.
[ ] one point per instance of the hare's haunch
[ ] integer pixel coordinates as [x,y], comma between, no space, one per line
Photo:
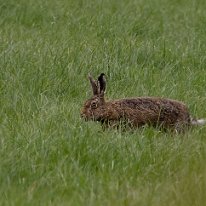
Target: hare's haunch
[136,112]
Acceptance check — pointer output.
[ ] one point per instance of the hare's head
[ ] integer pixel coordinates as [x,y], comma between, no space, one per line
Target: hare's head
[94,107]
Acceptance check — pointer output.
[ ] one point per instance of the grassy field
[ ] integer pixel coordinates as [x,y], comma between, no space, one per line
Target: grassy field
[48,155]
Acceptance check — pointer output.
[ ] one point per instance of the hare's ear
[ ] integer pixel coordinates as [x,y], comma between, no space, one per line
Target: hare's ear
[102,83]
[94,85]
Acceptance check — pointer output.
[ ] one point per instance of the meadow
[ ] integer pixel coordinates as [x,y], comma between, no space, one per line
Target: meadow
[48,154]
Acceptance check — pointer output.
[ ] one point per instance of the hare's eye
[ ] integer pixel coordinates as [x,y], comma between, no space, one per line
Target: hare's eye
[93,105]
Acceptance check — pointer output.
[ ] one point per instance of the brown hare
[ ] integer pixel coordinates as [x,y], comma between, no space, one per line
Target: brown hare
[163,113]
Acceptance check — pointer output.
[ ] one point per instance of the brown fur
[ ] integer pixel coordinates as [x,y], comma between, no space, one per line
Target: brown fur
[136,112]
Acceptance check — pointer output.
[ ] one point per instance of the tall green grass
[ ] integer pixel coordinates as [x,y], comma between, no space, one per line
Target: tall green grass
[48,155]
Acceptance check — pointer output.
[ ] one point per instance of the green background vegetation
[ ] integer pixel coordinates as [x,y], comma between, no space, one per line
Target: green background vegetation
[48,155]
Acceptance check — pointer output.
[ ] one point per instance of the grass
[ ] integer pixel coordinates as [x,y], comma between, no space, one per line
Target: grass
[48,155]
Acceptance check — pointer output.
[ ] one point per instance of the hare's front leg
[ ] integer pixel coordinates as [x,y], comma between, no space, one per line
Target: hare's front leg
[110,124]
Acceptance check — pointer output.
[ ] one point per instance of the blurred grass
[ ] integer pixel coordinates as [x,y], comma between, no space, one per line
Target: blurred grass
[48,155]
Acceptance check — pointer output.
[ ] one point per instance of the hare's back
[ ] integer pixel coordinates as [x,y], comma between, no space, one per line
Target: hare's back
[154,109]
[152,103]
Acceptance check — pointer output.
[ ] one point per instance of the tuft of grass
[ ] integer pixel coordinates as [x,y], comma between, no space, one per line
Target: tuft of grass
[48,155]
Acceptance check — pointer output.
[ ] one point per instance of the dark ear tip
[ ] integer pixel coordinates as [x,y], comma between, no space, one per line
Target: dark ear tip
[101,76]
